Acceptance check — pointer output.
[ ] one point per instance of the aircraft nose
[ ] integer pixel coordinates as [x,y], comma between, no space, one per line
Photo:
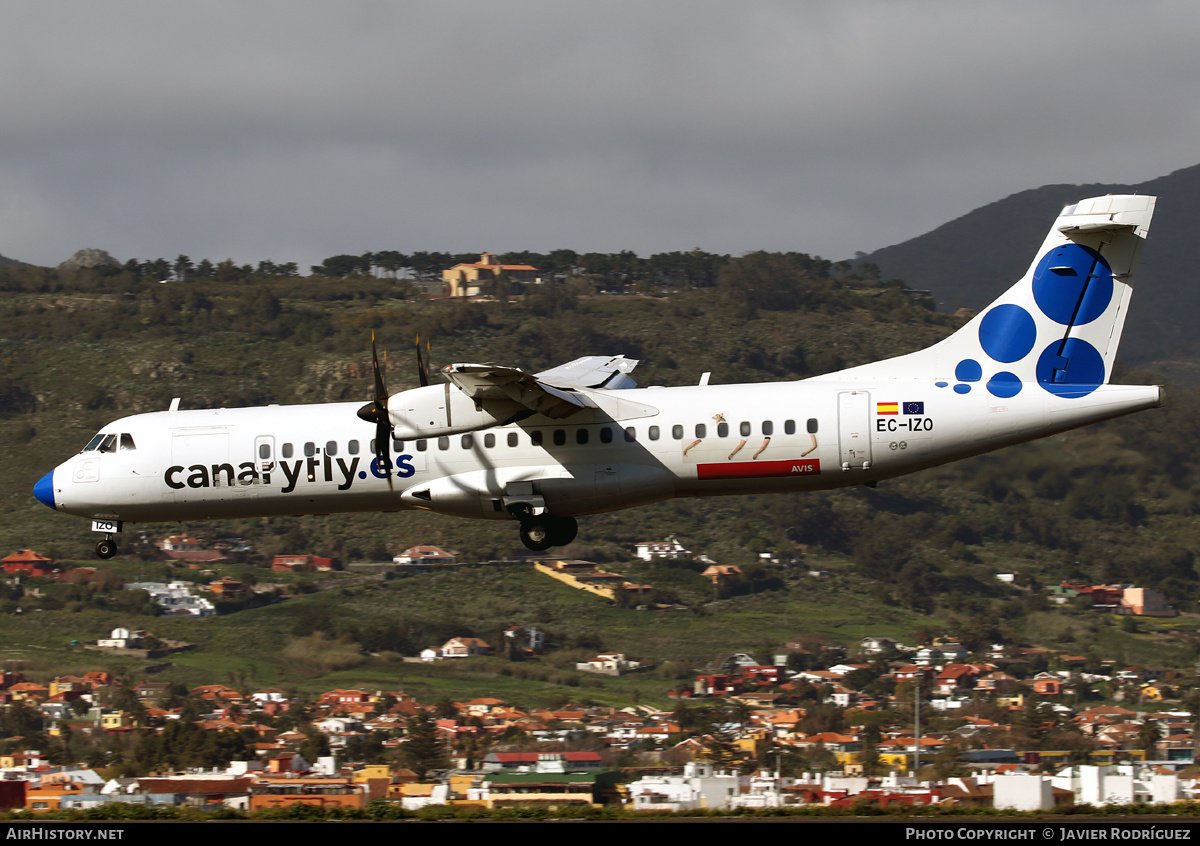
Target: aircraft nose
[44,490]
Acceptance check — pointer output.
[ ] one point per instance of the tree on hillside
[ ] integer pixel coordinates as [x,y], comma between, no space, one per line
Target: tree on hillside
[423,750]
[721,748]
[773,281]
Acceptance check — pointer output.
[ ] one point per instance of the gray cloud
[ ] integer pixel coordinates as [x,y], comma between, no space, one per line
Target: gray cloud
[296,130]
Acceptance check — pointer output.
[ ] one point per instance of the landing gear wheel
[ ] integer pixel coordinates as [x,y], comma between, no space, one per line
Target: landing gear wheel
[106,549]
[541,533]
[563,530]
[535,534]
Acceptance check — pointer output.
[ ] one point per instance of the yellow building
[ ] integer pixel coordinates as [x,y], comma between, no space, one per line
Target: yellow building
[753,743]
[470,280]
[114,720]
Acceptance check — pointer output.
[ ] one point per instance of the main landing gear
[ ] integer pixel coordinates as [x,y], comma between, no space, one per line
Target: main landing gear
[541,531]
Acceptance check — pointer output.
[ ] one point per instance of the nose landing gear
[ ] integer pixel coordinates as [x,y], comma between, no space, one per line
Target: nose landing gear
[106,548]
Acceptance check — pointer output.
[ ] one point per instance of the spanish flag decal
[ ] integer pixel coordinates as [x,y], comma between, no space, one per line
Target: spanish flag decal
[887,408]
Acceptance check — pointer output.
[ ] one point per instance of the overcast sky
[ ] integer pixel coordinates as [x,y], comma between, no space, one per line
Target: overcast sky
[297,130]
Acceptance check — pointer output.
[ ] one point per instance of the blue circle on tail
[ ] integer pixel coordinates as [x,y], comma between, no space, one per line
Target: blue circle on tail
[1004,385]
[1075,373]
[1007,333]
[1072,284]
[968,370]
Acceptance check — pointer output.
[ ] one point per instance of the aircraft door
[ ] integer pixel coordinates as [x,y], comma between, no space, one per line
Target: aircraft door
[202,456]
[854,430]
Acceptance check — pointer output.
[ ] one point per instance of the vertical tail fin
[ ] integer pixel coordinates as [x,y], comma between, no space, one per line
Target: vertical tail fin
[1059,326]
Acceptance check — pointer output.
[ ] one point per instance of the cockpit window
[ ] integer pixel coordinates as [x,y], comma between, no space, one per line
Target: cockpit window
[94,442]
[109,444]
[127,442]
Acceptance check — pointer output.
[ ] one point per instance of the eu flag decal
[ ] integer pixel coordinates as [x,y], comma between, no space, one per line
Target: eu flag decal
[914,408]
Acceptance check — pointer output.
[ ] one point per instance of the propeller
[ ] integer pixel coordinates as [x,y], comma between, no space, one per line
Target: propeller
[422,363]
[376,412]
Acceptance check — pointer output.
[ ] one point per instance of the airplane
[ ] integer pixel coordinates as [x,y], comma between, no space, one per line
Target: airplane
[542,449]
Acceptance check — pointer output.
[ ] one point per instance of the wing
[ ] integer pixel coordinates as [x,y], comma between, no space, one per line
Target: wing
[553,393]
[592,371]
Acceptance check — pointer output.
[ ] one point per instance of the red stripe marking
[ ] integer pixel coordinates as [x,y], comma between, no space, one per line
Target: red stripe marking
[750,469]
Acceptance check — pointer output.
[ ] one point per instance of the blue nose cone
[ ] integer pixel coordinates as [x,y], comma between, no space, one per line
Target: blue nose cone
[44,490]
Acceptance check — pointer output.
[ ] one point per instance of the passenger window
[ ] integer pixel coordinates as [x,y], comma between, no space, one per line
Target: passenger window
[722,430]
[630,434]
[581,436]
[444,442]
[468,441]
[513,439]
[701,430]
[789,427]
[677,432]
[310,449]
[654,433]
[127,442]
[422,445]
[560,437]
[264,450]
[812,425]
[606,435]
[288,450]
[489,440]
[397,445]
[768,428]
[535,437]
[352,447]
[744,429]
[331,447]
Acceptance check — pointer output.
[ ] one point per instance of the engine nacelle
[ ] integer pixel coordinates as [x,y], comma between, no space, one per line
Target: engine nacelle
[565,491]
[436,410]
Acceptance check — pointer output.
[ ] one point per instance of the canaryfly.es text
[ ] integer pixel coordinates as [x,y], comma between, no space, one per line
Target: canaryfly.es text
[311,469]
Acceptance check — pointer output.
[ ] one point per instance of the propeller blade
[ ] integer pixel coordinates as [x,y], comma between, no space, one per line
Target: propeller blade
[376,412]
[422,364]
[381,394]
[383,449]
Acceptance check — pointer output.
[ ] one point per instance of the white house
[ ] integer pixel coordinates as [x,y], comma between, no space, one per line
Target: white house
[698,788]
[671,549]
[426,555]
[123,638]
[1022,792]
[1124,784]
[464,647]
[609,664]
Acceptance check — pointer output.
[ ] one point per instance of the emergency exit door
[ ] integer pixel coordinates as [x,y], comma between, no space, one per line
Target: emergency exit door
[854,434]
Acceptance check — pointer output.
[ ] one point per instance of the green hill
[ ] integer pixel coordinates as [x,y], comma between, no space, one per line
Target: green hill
[967,261]
[80,348]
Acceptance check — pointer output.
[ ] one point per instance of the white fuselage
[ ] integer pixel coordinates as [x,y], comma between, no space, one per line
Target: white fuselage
[638,446]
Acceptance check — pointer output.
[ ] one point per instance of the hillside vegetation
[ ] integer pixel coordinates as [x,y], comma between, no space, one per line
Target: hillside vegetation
[918,555]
